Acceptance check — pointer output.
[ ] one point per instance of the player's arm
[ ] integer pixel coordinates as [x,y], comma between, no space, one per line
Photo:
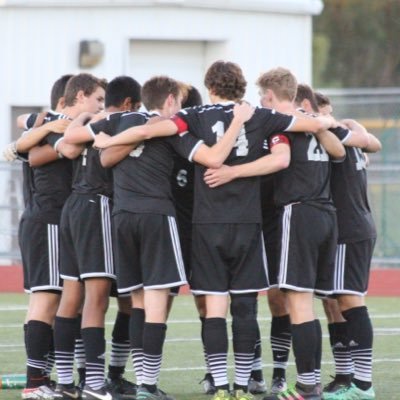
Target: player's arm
[113,155]
[331,144]
[360,137]
[34,136]
[78,132]
[214,156]
[22,120]
[278,159]
[307,123]
[41,155]
[137,134]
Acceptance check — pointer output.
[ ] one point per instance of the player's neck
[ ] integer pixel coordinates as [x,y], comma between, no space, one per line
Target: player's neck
[285,107]
[217,100]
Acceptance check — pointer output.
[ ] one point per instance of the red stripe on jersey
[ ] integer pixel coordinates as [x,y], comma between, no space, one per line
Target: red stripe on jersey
[180,124]
[278,139]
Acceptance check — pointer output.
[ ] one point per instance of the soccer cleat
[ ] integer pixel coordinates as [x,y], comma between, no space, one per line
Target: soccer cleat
[143,394]
[241,395]
[42,392]
[295,393]
[354,393]
[278,385]
[222,395]
[334,390]
[257,387]
[100,394]
[121,388]
[208,384]
[66,392]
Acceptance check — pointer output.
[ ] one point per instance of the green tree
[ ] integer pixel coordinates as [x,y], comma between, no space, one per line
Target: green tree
[356,44]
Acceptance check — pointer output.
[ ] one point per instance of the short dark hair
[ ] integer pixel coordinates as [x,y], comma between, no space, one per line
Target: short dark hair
[322,100]
[58,90]
[86,82]
[193,98]
[119,89]
[226,80]
[156,90]
[305,92]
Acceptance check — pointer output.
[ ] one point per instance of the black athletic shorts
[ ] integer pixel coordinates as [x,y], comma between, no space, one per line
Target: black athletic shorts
[352,266]
[86,241]
[228,258]
[147,252]
[308,246]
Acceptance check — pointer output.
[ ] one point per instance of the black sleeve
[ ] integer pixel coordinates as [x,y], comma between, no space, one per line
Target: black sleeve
[52,138]
[340,133]
[31,120]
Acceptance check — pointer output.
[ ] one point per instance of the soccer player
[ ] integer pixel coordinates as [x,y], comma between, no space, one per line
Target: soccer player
[87,257]
[146,197]
[302,190]
[52,184]
[222,227]
[350,329]
[32,135]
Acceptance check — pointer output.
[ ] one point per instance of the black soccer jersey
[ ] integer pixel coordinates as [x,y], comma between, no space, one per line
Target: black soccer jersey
[52,182]
[306,180]
[349,192]
[182,184]
[89,175]
[142,180]
[237,201]
[27,172]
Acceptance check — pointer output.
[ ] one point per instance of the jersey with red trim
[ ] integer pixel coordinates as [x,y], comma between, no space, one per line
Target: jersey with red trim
[349,192]
[237,201]
[307,178]
[142,181]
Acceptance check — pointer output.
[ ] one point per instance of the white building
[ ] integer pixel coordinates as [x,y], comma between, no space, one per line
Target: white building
[40,41]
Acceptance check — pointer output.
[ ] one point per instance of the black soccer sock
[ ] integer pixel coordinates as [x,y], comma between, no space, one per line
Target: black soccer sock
[25,337]
[256,370]
[202,319]
[281,341]
[64,344]
[79,352]
[38,338]
[95,347]
[216,343]
[318,352]
[153,342]
[244,333]
[360,336]
[305,342]
[51,358]
[120,346]
[340,350]
[136,325]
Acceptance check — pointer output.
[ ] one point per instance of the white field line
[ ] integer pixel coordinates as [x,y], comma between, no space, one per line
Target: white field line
[10,347]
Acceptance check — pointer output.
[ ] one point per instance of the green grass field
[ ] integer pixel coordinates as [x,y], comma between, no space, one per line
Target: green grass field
[183,365]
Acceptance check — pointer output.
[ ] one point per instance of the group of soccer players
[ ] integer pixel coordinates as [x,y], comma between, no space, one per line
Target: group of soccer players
[232,199]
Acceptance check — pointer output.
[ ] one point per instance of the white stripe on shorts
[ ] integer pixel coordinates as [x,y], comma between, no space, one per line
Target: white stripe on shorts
[265,260]
[106,229]
[177,247]
[54,268]
[340,262]
[287,213]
